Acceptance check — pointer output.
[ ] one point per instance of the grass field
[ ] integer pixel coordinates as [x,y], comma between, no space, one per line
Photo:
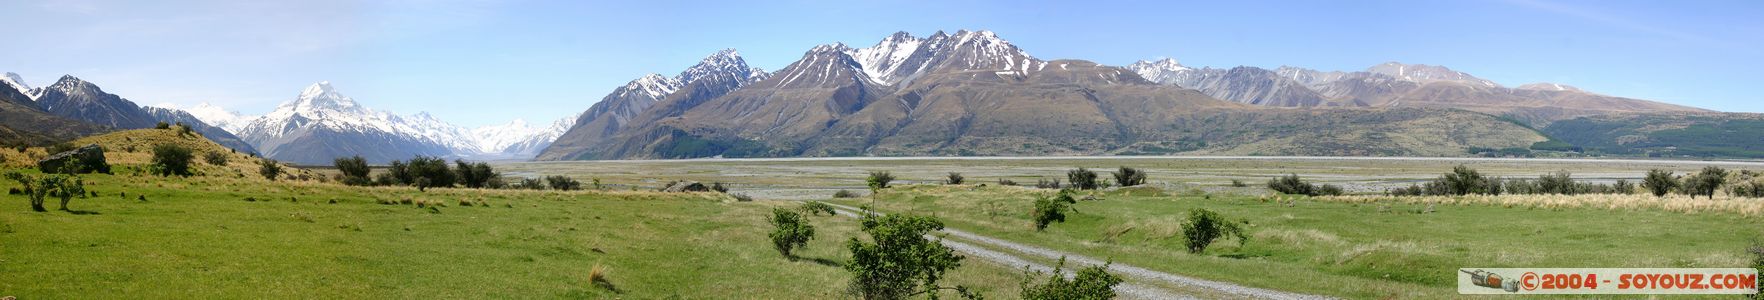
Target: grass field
[228,233]
[1357,250]
[200,238]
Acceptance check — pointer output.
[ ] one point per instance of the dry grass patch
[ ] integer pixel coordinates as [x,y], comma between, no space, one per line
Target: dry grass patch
[1675,203]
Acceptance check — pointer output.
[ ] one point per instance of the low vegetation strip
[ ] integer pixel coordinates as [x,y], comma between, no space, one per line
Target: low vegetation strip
[1617,202]
[1127,289]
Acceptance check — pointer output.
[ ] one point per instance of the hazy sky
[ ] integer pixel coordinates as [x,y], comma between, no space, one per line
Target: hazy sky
[481,62]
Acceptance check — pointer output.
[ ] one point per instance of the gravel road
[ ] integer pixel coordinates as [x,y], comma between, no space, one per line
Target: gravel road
[1128,289]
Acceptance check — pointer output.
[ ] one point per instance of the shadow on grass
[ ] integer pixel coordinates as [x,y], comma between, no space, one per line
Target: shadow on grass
[822,261]
[83,212]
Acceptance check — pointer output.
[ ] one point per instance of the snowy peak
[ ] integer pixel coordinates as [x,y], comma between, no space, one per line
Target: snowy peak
[652,85]
[232,121]
[1159,71]
[321,96]
[1427,73]
[18,83]
[726,64]
[884,61]
[828,65]
[981,50]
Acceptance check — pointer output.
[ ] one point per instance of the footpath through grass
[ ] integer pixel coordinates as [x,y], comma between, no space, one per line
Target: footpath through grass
[201,238]
[1354,250]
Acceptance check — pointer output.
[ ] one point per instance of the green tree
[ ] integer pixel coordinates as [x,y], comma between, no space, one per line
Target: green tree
[215,158]
[1659,182]
[1093,282]
[269,168]
[1708,181]
[354,168]
[1126,177]
[56,185]
[433,168]
[1465,181]
[171,160]
[1082,179]
[1204,226]
[1561,182]
[900,262]
[790,231]
[1052,209]
[474,175]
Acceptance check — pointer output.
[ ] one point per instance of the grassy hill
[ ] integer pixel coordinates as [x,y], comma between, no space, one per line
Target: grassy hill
[1698,135]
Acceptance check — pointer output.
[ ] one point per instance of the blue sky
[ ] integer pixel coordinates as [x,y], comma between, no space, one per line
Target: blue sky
[481,62]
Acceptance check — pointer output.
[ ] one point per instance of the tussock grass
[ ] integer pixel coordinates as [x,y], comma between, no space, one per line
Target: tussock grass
[1751,207]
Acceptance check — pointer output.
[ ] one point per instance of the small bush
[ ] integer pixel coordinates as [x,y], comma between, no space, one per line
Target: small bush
[1006,182]
[1093,282]
[171,160]
[563,183]
[1051,209]
[953,178]
[215,158]
[817,207]
[879,180]
[1045,183]
[42,187]
[900,262]
[1126,177]
[532,184]
[844,194]
[739,197]
[1292,185]
[1238,183]
[717,187]
[1706,182]
[789,231]
[1204,226]
[270,169]
[1082,179]
[162,125]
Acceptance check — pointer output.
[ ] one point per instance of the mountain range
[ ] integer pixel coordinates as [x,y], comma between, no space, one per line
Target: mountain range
[967,93]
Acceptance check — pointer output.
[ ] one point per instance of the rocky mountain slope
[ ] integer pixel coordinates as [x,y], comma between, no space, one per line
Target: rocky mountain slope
[76,99]
[712,77]
[1395,84]
[973,93]
[22,122]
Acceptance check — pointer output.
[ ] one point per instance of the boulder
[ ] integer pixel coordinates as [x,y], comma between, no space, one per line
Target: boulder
[685,186]
[87,159]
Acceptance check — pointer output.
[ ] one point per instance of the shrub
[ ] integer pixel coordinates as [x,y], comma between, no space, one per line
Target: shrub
[474,175]
[789,231]
[1204,226]
[817,207]
[1756,251]
[399,173]
[1093,282]
[739,197]
[1045,183]
[900,262]
[171,159]
[185,130]
[355,169]
[953,178]
[1051,209]
[1006,182]
[1292,185]
[563,183]
[879,180]
[215,158]
[1560,182]
[532,184]
[1082,179]
[269,168]
[1126,177]
[1465,181]
[1329,190]
[39,188]
[1238,183]
[432,168]
[844,194]
[1705,182]
[715,186]
[162,125]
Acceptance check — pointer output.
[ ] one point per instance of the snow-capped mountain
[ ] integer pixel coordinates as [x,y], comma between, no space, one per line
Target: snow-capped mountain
[18,83]
[232,121]
[713,76]
[322,124]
